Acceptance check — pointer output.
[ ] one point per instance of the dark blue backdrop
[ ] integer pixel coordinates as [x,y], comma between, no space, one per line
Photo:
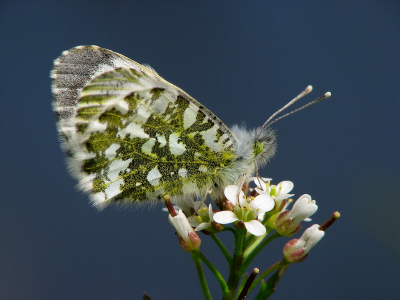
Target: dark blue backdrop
[243,61]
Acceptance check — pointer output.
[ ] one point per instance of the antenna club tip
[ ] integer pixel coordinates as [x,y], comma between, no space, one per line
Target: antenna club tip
[309,88]
[327,94]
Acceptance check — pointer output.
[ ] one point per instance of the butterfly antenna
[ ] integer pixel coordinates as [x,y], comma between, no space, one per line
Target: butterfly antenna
[319,99]
[307,90]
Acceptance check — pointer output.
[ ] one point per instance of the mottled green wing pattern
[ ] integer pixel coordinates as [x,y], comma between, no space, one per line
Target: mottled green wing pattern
[153,141]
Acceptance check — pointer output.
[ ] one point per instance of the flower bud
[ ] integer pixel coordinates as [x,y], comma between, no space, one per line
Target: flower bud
[292,252]
[188,238]
[217,226]
[286,226]
[240,224]
[288,222]
[296,250]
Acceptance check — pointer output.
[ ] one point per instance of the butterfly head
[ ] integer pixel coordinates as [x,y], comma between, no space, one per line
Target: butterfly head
[255,147]
[264,145]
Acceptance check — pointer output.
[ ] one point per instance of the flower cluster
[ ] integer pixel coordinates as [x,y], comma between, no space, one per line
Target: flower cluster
[258,217]
[249,210]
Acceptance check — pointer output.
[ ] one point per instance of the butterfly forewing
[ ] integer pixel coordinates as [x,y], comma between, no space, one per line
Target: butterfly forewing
[133,136]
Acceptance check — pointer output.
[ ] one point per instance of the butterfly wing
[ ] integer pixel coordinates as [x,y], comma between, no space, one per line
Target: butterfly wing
[73,70]
[132,136]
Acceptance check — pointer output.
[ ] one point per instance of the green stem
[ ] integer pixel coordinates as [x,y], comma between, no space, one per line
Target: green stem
[254,253]
[254,242]
[223,249]
[270,286]
[234,276]
[233,230]
[248,241]
[264,274]
[202,277]
[217,274]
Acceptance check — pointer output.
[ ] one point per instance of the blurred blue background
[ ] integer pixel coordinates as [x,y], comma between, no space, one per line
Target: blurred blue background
[243,61]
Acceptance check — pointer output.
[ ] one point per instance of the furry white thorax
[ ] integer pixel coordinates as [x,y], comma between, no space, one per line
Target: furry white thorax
[246,143]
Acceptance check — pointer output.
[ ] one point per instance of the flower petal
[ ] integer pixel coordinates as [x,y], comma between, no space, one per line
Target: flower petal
[204,226]
[255,227]
[261,182]
[210,212]
[225,217]
[262,203]
[311,236]
[282,190]
[182,226]
[303,208]
[231,193]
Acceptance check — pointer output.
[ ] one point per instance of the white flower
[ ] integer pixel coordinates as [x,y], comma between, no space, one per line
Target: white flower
[185,231]
[296,250]
[203,218]
[187,205]
[288,222]
[311,237]
[246,209]
[261,182]
[278,192]
[303,208]
[282,190]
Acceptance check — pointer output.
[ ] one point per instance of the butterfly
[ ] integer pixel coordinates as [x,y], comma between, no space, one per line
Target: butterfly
[131,137]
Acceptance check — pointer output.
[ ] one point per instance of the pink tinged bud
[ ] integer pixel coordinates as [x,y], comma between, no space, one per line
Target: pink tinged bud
[217,226]
[240,224]
[225,204]
[282,224]
[297,250]
[288,222]
[281,205]
[282,216]
[188,238]
[195,240]
[183,244]
[293,251]
[293,230]
[286,226]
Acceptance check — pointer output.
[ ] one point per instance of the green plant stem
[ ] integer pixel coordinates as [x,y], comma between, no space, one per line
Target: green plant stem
[258,239]
[251,243]
[202,278]
[270,286]
[233,230]
[223,249]
[254,253]
[234,276]
[217,274]
[264,274]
